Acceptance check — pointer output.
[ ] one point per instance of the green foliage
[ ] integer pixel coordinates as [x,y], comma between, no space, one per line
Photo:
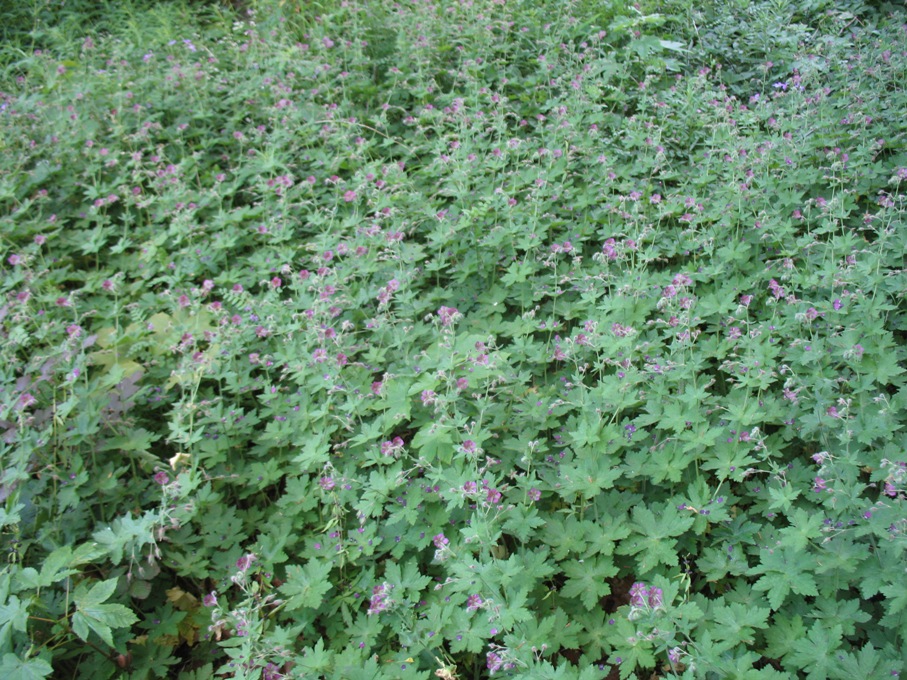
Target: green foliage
[370,340]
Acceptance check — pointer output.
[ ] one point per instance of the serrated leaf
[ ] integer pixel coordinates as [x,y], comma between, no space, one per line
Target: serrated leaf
[126,535]
[306,586]
[99,592]
[588,580]
[13,616]
[804,527]
[736,622]
[315,658]
[54,567]
[862,664]
[784,571]
[782,634]
[523,522]
[14,668]
[815,654]
[91,614]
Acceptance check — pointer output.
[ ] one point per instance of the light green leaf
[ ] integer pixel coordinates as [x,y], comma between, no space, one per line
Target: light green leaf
[54,567]
[13,616]
[306,586]
[100,592]
[91,614]
[14,668]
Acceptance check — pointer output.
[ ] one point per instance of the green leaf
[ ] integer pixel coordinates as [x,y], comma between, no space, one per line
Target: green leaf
[862,664]
[13,616]
[785,571]
[782,634]
[127,535]
[523,522]
[588,580]
[652,536]
[315,658]
[14,668]
[815,654]
[434,442]
[306,586]
[12,516]
[736,622]
[54,567]
[805,526]
[409,579]
[91,614]
[100,592]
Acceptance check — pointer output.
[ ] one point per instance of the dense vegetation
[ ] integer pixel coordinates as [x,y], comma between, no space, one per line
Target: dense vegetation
[368,340]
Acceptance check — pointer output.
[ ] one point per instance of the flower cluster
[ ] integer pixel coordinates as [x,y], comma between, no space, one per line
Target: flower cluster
[380,600]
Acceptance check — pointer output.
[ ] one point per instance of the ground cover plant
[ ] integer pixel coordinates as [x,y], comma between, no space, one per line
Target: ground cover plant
[367,340]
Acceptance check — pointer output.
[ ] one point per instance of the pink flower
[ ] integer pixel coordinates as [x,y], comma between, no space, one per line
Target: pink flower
[349,196]
[474,603]
[244,562]
[448,315]
[210,600]
[14,260]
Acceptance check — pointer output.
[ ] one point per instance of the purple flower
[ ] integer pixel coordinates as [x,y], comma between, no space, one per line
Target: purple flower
[440,541]
[326,483]
[26,400]
[656,598]
[474,603]
[494,662]
[448,315]
[271,671]
[534,494]
[380,601]
[244,562]
[210,600]
[161,478]
[638,594]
